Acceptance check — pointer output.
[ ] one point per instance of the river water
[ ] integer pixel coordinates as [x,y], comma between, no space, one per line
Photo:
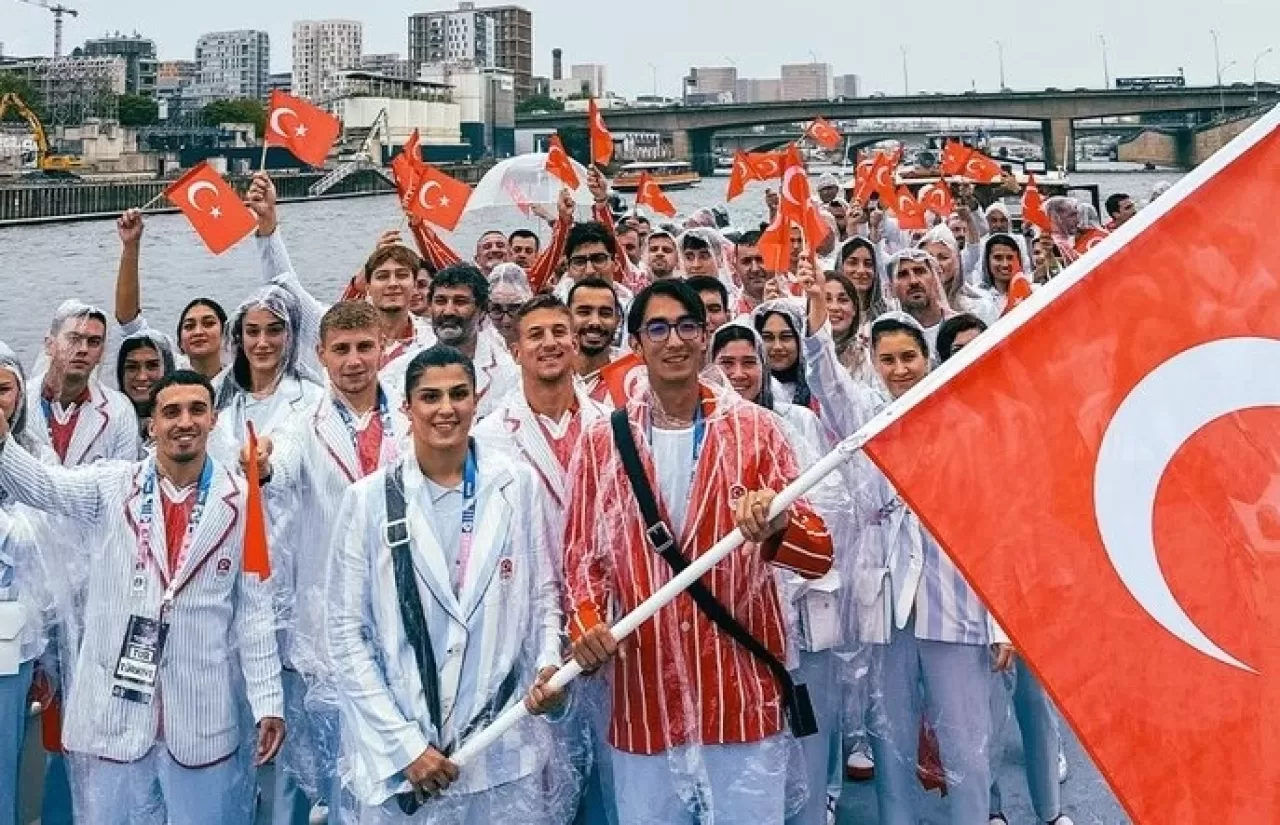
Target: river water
[328,241]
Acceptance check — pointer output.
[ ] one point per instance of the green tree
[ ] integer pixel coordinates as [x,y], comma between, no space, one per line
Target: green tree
[11,82]
[136,110]
[240,110]
[539,103]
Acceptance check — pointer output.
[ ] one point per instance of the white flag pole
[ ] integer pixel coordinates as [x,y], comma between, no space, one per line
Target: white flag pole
[628,624]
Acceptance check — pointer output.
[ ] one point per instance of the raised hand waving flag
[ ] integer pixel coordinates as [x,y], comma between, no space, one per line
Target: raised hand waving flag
[214,209]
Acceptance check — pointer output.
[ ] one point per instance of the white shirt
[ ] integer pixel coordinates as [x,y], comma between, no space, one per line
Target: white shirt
[673,464]
[445,505]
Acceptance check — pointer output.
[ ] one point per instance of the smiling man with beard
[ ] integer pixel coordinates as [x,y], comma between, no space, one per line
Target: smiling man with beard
[596,315]
[913,275]
[458,299]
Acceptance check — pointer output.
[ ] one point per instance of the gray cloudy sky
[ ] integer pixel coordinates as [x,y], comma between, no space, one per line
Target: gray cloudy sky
[951,43]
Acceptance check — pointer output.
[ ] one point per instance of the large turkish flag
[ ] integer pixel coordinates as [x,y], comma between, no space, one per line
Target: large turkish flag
[1104,467]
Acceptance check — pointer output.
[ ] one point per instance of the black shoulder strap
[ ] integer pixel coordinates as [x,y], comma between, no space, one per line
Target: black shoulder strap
[415,622]
[795,697]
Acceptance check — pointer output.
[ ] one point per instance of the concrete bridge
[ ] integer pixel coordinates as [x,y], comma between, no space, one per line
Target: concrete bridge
[751,141]
[692,127]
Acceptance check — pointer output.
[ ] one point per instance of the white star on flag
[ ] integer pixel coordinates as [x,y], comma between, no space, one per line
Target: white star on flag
[301,131]
[215,212]
[444,201]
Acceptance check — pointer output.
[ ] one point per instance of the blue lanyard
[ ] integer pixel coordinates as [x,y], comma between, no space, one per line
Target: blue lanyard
[384,415]
[146,516]
[699,434]
[467,535]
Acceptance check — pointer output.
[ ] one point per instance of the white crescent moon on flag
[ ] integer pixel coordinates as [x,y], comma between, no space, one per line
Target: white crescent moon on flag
[422,194]
[275,120]
[768,167]
[787,191]
[742,168]
[198,187]
[1167,407]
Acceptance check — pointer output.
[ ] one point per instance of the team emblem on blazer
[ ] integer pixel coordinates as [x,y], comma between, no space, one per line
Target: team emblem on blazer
[506,568]
[224,566]
[736,492]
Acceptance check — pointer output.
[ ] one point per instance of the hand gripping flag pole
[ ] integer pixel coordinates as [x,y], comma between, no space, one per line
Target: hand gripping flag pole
[699,567]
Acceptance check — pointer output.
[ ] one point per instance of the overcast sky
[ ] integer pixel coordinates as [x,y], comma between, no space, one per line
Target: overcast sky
[950,43]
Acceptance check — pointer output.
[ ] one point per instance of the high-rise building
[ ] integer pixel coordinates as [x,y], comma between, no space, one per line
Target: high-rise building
[806,81]
[321,49]
[139,54]
[846,85]
[389,65]
[713,81]
[280,82]
[500,36]
[465,37]
[71,89]
[175,75]
[591,78]
[758,90]
[231,65]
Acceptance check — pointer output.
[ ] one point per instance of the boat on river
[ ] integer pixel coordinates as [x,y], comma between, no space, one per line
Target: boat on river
[667,174]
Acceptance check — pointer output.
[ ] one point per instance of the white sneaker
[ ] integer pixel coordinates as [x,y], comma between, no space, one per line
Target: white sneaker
[319,814]
[1063,772]
[860,766]
[998,820]
[832,802]
[1063,820]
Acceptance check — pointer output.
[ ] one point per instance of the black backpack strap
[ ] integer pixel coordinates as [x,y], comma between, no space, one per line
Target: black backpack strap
[415,622]
[795,697]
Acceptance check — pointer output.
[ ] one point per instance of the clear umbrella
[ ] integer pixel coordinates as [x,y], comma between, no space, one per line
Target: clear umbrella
[522,183]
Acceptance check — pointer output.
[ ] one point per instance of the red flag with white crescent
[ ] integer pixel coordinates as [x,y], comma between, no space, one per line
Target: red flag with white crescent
[214,209]
[601,139]
[907,210]
[650,194]
[936,197]
[559,165]
[1033,206]
[743,173]
[767,165]
[824,134]
[303,128]
[620,377]
[437,198]
[1136,408]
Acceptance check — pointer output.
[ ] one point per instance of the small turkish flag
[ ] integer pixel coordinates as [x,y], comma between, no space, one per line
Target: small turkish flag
[257,555]
[559,165]
[601,140]
[824,134]
[1087,239]
[743,173]
[620,378]
[437,198]
[907,209]
[1033,206]
[796,201]
[306,130]
[936,197]
[954,155]
[214,209]
[878,179]
[775,245]
[1137,408]
[650,194]
[767,165]
[406,166]
[1019,289]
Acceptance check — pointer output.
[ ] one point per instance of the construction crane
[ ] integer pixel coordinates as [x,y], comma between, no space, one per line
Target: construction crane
[46,161]
[58,10]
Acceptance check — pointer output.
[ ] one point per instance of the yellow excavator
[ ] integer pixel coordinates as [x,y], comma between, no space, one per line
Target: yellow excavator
[46,161]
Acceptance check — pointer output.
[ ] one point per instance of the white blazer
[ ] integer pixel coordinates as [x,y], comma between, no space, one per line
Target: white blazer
[313,464]
[221,618]
[106,429]
[497,374]
[488,642]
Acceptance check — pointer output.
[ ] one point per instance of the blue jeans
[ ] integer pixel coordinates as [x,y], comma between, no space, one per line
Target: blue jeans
[817,671]
[1034,712]
[13,728]
[311,750]
[115,792]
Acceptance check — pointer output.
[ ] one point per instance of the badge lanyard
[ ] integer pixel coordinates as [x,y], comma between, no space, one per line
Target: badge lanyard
[146,516]
[699,433]
[467,535]
[384,416]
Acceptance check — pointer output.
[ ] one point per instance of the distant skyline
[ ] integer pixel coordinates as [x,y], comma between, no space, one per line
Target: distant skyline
[951,47]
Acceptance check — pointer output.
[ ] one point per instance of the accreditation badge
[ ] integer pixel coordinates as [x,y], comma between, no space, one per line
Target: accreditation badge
[138,667]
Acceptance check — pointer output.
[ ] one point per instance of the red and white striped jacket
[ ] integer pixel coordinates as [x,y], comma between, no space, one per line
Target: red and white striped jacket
[679,679]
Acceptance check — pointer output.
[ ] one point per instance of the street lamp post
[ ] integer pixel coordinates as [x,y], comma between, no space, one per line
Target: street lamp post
[1000,52]
[1261,55]
[906,83]
[1106,69]
[1217,57]
[1222,92]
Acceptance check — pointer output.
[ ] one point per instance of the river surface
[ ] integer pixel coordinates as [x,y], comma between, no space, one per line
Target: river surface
[328,240]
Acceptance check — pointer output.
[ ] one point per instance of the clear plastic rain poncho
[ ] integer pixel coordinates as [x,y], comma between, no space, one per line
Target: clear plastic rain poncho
[961,295]
[720,252]
[697,724]
[406,681]
[295,387]
[910,301]
[508,286]
[791,384]
[1065,223]
[877,301]
[141,341]
[929,670]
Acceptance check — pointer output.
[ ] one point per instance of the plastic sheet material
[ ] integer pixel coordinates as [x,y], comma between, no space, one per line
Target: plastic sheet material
[697,724]
[782,348]
[941,243]
[489,635]
[522,183]
[148,345]
[720,252]
[921,668]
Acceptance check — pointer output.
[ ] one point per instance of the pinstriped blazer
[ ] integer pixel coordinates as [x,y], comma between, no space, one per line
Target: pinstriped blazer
[106,429]
[220,616]
[488,641]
